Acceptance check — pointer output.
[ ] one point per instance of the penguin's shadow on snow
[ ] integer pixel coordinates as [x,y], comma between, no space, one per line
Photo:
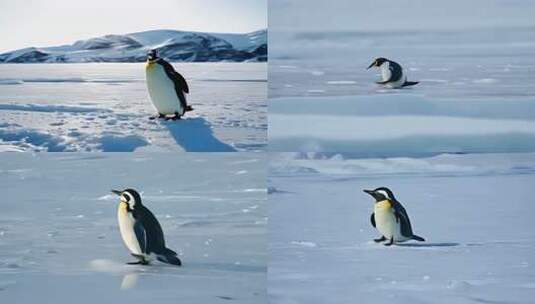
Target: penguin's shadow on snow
[195,135]
[428,245]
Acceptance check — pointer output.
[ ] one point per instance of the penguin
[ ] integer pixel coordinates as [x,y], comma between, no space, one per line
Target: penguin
[392,74]
[167,88]
[141,232]
[390,218]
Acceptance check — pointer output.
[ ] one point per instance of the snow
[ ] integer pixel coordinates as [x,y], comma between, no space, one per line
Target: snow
[105,107]
[59,237]
[401,124]
[478,67]
[475,93]
[474,211]
[249,41]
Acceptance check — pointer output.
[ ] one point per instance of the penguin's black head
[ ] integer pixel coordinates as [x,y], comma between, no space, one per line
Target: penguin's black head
[381,194]
[129,196]
[378,62]
[152,55]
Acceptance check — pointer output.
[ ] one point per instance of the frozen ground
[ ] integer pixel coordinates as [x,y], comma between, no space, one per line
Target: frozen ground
[448,63]
[475,67]
[105,107]
[475,94]
[59,238]
[475,212]
[386,125]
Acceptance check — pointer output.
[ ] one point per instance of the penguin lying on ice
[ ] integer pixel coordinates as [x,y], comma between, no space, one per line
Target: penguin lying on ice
[392,74]
[390,218]
[141,232]
[167,88]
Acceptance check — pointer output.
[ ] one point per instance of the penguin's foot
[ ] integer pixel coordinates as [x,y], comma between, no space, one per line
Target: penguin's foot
[379,240]
[160,116]
[176,117]
[138,263]
[391,242]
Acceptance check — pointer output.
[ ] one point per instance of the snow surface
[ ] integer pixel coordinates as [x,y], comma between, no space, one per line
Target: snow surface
[401,124]
[475,93]
[60,242]
[105,107]
[475,212]
[468,63]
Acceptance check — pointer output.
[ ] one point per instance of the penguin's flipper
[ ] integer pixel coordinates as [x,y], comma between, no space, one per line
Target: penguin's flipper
[141,236]
[418,238]
[372,219]
[183,102]
[382,82]
[176,77]
[410,83]
[403,218]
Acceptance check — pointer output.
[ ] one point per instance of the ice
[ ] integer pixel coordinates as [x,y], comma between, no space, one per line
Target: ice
[105,107]
[401,124]
[467,63]
[473,210]
[475,93]
[59,237]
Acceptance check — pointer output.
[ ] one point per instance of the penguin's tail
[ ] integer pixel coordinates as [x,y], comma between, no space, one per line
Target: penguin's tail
[418,238]
[410,83]
[188,108]
[169,257]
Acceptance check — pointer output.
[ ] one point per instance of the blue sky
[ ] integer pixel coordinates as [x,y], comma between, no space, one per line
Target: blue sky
[55,22]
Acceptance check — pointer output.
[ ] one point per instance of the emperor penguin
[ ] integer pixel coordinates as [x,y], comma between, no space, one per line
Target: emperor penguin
[391,73]
[390,218]
[141,232]
[167,88]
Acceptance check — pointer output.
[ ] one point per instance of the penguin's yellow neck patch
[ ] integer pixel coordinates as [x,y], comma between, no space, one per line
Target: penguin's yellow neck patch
[383,204]
[123,206]
[150,64]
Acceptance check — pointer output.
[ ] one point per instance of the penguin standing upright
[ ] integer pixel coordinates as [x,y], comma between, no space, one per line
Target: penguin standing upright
[167,88]
[391,73]
[390,218]
[141,232]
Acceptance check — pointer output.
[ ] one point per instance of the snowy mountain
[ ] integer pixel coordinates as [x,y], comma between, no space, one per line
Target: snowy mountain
[173,45]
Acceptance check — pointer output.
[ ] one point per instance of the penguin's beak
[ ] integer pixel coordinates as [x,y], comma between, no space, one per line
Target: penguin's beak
[116,192]
[370,192]
[371,65]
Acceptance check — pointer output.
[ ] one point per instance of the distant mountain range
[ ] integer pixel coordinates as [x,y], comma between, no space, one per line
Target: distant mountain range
[172,45]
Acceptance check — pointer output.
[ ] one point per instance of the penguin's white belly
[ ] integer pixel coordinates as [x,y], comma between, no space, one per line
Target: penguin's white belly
[126,226]
[385,222]
[385,71]
[162,90]
[397,84]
